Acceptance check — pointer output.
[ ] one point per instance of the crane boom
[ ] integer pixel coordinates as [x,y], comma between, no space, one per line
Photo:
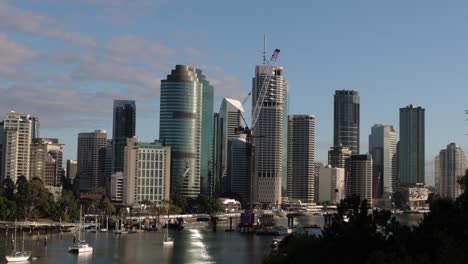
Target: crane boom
[264,88]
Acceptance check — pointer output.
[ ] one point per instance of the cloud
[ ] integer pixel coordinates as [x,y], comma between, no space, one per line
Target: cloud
[108,70]
[39,24]
[192,52]
[120,3]
[127,48]
[12,56]
[67,107]
[225,84]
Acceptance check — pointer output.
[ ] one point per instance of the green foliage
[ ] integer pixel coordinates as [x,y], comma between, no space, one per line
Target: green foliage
[400,199]
[201,205]
[107,207]
[68,207]
[376,238]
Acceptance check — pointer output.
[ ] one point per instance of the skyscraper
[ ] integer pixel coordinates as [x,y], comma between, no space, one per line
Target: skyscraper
[268,134]
[346,119]
[206,133]
[337,156]
[180,128]
[17,136]
[359,177]
[147,169]
[89,159]
[301,154]
[450,166]
[411,148]
[382,147]
[239,169]
[215,179]
[230,113]
[72,167]
[47,161]
[124,122]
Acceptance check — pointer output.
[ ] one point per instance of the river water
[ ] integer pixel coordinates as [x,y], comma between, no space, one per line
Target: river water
[190,246]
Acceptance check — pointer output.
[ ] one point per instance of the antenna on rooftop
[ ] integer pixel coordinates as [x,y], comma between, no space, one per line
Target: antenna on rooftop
[264,49]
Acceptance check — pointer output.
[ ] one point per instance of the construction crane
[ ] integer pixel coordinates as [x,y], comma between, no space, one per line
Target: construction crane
[270,64]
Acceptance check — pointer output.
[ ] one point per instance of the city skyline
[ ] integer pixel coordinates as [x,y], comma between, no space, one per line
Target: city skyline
[388,66]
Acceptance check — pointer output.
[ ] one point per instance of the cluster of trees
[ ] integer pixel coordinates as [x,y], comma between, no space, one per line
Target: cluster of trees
[27,200]
[375,237]
[201,205]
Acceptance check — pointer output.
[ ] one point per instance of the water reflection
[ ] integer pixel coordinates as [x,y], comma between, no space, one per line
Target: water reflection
[198,248]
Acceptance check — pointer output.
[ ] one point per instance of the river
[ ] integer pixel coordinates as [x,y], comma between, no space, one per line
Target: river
[190,246]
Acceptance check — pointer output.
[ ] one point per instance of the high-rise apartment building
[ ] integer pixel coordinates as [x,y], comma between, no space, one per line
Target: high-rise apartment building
[359,177]
[331,184]
[147,169]
[337,156]
[450,166]
[89,159]
[382,147]
[301,155]
[346,119]
[411,159]
[17,139]
[215,179]
[206,158]
[47,161]
[268,134]
[230,113]
[180,128]
[124,122]
[238,162]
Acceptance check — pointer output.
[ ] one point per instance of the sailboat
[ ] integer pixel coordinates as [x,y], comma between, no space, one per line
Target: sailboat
[107,225]
[17,256]
[81,246]
[96,225]
[167,240]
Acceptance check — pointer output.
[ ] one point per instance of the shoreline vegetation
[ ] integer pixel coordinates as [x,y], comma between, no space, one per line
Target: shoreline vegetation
[375,237]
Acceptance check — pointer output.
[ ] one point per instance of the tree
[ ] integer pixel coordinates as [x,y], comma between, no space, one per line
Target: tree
[107,207]
[400,199]
[8,189]
[68,207]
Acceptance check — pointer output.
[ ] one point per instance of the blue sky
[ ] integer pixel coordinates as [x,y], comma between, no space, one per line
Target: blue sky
[65,61]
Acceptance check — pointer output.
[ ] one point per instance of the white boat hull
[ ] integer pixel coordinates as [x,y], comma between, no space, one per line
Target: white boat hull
[168,243]
[16,259]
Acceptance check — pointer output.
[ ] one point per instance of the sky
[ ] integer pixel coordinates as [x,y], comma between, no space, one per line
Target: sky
[66,61]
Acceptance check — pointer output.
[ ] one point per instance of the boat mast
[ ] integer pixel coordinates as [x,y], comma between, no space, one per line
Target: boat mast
[14,242]
[22,247]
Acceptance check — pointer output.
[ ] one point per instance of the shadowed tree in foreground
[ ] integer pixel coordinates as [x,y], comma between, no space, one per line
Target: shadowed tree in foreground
[441,237]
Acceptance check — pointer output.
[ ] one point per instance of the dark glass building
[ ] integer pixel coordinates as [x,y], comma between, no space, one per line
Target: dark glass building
[346,120]
[123,128]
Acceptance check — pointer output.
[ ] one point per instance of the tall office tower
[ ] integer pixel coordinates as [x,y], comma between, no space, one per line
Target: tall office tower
[411,150]
[346,120]
[123,127]
[72,167]
[268,135]
[147,169]
[47,161]
[450,166]
[230,113]
[301,154]
[35,128]
[284,177]
[239,169]
[331,184]
[206,158]
[180,128]
[215,179]
[89,159]
[109,154]
[337,156]
[359,177]
[17,136]
[382,147]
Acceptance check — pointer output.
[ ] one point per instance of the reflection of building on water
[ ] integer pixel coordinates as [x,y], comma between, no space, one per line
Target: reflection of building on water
[198,249]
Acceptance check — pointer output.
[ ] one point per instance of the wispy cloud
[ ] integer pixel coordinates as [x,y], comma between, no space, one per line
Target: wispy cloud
[12,56]
[39,24]
[193,52]
[128,47]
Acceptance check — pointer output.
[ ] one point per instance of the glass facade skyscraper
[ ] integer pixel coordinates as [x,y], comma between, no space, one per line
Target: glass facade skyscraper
[180,127]
[207,133]
[411,159]
[123,128]
[450,166]
[346,119]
